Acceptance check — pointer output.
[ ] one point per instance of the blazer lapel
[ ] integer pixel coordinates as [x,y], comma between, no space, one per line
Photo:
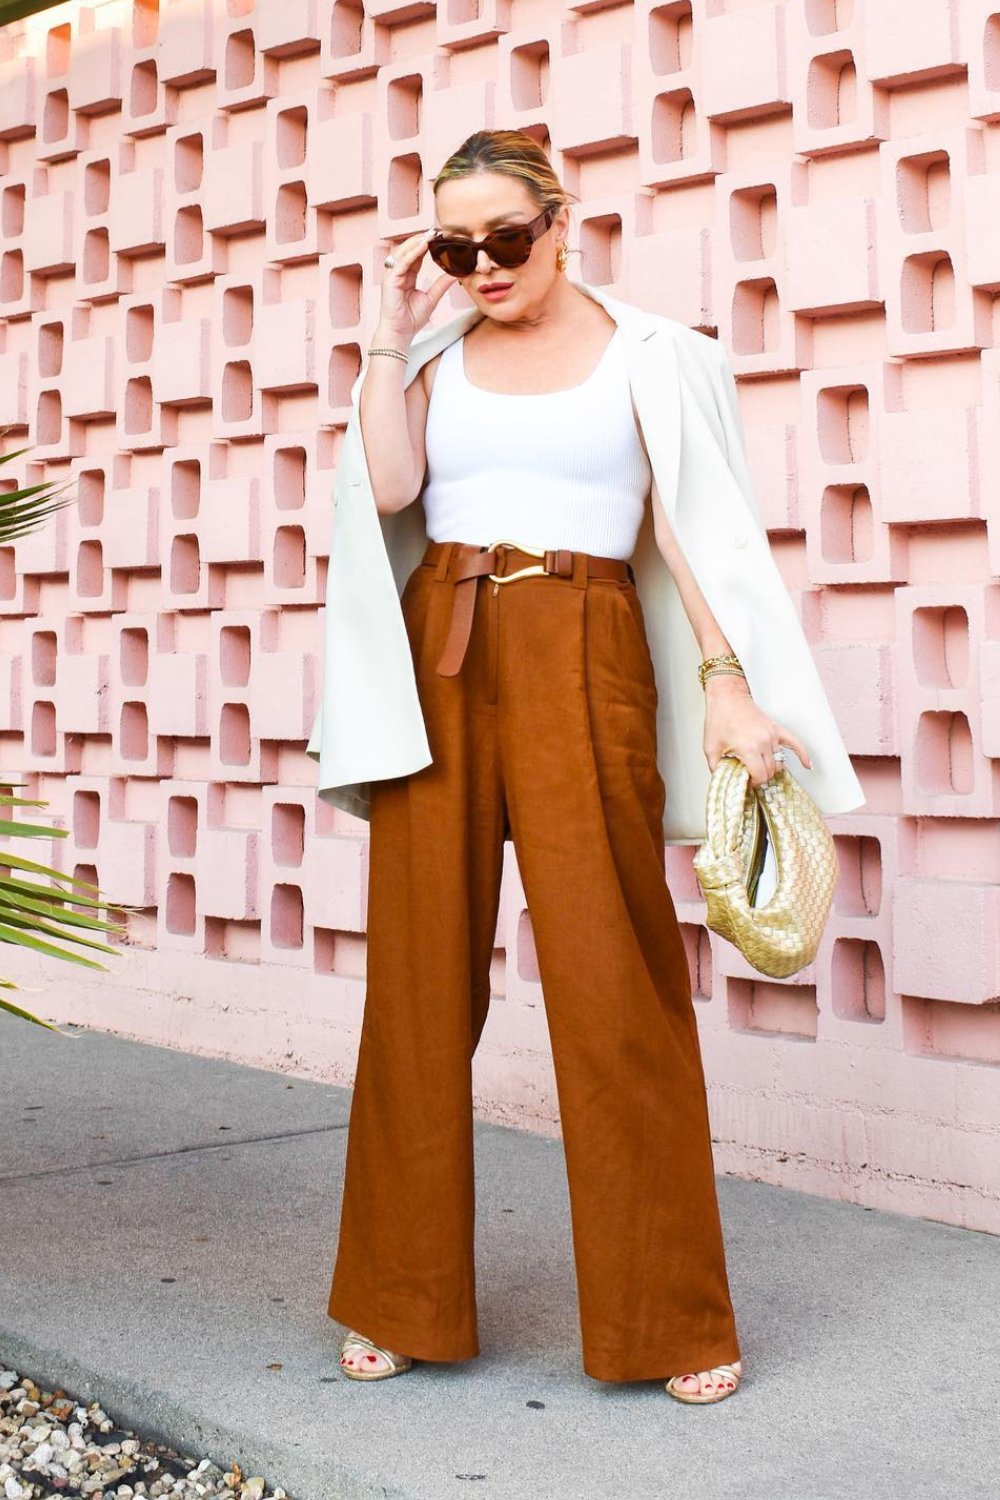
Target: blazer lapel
[651,362]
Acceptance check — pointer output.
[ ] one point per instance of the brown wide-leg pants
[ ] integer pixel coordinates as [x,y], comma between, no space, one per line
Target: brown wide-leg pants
[546,735]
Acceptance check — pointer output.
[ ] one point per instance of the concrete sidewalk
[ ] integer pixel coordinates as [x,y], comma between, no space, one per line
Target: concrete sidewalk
[167,1229]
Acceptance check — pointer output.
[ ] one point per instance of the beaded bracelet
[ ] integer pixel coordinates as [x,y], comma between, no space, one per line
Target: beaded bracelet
[399,353]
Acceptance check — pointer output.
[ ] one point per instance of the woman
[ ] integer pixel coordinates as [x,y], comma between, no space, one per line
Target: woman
[540,702]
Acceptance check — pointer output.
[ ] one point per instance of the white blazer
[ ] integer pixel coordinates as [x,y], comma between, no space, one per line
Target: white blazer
[370,724]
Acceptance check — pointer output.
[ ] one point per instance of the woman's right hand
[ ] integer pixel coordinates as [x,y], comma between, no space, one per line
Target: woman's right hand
[404,309]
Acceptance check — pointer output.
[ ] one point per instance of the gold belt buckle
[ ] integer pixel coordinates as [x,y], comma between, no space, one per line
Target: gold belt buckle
[521,572]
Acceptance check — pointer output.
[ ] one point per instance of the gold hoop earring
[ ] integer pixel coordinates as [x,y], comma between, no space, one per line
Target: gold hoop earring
[562,256]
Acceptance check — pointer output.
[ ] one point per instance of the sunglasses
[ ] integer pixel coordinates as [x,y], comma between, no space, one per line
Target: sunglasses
[505,247]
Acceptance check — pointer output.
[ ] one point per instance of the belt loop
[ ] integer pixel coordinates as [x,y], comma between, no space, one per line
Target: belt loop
[579,570]
[443,561]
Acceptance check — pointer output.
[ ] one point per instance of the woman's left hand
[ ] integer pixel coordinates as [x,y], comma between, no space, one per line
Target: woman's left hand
[734,723]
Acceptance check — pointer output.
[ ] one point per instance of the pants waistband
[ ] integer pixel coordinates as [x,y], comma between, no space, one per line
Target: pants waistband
[464,562]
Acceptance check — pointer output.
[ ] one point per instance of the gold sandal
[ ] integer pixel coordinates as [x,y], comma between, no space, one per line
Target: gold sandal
[702,1398]
[398,1363]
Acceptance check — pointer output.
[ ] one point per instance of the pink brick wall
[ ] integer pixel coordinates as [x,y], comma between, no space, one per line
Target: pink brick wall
[192,203]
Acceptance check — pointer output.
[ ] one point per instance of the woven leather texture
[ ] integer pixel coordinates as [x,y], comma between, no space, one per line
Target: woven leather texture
[782,936]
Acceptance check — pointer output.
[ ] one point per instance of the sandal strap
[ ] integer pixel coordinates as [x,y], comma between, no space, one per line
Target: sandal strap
[715,1370]
[395,1360]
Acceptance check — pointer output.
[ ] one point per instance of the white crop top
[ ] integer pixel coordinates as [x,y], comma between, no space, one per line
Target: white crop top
[557,469]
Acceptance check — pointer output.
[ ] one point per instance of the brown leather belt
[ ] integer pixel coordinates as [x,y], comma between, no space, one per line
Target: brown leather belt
[465,562]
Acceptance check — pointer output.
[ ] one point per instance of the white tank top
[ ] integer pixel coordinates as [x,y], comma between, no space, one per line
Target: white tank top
[558,469]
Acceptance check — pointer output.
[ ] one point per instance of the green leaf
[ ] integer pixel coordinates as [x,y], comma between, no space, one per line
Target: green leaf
[56,898]
[17,862]
[30,831]
[11,919]
[11,912]
[26,939]
[27,1015]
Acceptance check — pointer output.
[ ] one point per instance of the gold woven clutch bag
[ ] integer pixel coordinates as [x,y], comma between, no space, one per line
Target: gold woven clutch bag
[780,936]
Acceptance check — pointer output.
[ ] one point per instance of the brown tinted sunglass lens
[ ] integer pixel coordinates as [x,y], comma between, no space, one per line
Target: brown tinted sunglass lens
[457,260]
[506,248]
[510,247]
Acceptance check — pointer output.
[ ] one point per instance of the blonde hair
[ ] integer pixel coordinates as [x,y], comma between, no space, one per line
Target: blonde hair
[515,154]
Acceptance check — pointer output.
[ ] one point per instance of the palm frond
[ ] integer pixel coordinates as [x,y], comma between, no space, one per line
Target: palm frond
[45,914]
[19,514]
[24,509]
[52,918]
[26,1015]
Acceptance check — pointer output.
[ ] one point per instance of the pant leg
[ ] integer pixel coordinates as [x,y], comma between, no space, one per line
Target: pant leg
[585,800]
[404,1272]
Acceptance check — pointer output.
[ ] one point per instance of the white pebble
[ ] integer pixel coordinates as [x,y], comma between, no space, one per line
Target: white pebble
[47,1441]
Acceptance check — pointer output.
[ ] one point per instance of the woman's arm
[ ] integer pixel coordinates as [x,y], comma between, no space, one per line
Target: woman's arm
[392,415]
[732,719]
[396,459]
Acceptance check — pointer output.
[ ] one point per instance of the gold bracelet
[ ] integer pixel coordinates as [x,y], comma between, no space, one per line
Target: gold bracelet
[399,353]
[717,661]
[722,672]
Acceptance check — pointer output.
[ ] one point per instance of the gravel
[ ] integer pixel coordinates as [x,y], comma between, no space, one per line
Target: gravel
[51,1444]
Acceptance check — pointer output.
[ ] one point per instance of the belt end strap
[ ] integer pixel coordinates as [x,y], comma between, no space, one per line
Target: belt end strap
[459,628]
